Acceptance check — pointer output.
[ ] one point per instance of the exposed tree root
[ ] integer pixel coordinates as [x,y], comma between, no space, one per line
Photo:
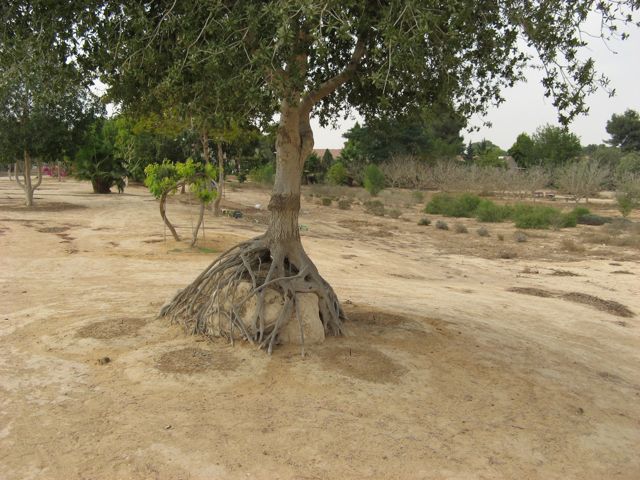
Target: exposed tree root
[213,303]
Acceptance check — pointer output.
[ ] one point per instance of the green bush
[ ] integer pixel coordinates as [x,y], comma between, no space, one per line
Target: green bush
[489,212]
[424,221]
[374,207]
[417,196]
[326,202]
[539,216]
[337,174]
[264,174]
[464,205]
[395,213]
[373,179]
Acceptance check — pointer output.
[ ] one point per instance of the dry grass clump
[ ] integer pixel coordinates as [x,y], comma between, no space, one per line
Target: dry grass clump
[570,245]
[442,225]
[520,237]
[483,232]
[424,221]
[460,228]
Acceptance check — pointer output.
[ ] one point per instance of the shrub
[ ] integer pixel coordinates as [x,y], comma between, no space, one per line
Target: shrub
[395,213]
[374,207]
[520,237]
[539,216]
[628,194]
[464,205]
[571,246]
[591,219]
[424,221]
[582,178]
[344,204]
[442,225]
[373,179]
[483,232]
[460,228]
[326,201]
[337,174]
[264,174]
[418,196]
[488,211]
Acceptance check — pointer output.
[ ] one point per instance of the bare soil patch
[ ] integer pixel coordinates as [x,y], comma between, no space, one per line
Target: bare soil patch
[362,363]
[608,306]
[113,328]
[195,360]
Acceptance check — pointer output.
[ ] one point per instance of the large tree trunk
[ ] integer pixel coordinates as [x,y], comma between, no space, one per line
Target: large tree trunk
[27,185]
[101,185]
[273,261]
[216,202]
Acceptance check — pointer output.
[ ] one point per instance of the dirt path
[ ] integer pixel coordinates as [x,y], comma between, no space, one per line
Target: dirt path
[446,371]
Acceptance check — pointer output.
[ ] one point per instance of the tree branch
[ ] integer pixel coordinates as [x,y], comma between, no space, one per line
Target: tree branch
[330,85]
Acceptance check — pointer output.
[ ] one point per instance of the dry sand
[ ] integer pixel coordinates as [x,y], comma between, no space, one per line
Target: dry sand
[455,364]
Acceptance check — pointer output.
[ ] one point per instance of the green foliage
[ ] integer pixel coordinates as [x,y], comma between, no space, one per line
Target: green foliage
[523,151]
[417,196]
[264,175]
[555,146]
[424,221]
[428,133]
[629,164]
[165,178]
[96,158]
[625,131]
[326,201]
[374,207]
[337,174]
[373,179]
[491,158]
[464,205]
[540,216]
[628,194]
[490,212]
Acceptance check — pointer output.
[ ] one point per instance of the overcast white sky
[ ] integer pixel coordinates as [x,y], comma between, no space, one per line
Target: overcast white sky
[526,108]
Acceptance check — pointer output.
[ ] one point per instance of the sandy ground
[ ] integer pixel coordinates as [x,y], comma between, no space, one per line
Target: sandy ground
[457,364]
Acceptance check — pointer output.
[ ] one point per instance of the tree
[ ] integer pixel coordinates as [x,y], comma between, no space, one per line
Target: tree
[45,102]
[625,131]
[523,151]
[628,194]
[164,179]
[582,178]
[555,146]
[317,58]
[373,180]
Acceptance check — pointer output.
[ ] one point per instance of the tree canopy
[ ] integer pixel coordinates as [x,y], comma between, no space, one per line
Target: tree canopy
[625,131]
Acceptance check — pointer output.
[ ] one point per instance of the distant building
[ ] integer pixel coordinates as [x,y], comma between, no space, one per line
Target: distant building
[335,152]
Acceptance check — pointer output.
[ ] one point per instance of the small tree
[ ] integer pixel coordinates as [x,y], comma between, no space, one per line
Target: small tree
[164,179]
[582,179]
[625,131]
[373,180]
[337,174]
[628,194]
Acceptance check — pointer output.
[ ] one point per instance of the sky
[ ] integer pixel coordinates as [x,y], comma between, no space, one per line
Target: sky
[525,107]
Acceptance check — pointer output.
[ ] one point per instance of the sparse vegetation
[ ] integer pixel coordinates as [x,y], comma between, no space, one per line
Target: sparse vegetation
[326,201]
[483,232]
[344,203]
[263,175]
[395,213]
[374,207]
[570,245]
[442,225]
[424,221]
[520,237]
[460,228]
[373,180]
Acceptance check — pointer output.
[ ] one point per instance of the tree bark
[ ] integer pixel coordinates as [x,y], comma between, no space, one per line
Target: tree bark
[27,186]
[101,186]
[194,239]
[163,214]
[216,202]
